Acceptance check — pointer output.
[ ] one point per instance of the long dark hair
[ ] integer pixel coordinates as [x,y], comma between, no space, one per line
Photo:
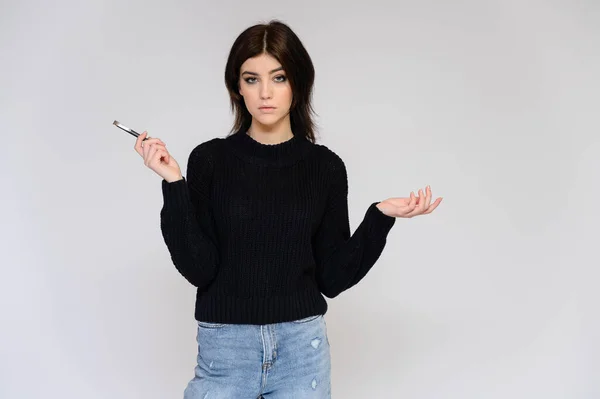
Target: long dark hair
[279,41]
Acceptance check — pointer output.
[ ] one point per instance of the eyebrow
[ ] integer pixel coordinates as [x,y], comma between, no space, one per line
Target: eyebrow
[254,73]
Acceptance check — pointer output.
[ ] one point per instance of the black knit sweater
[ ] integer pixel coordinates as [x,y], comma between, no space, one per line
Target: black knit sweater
[263,229]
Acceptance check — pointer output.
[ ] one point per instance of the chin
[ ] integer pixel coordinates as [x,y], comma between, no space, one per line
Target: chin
[269,120]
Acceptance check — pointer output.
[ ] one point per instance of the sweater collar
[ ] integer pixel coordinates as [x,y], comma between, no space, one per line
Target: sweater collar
[280,154]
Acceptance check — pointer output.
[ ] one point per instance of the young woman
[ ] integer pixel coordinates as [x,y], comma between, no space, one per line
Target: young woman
[260,226]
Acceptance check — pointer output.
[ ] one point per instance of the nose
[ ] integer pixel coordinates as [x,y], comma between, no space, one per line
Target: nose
[265,91]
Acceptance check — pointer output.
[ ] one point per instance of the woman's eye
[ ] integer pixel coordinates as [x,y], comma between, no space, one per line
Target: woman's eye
[278,78]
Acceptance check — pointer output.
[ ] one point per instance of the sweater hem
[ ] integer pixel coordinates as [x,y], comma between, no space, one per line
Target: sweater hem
[259,310]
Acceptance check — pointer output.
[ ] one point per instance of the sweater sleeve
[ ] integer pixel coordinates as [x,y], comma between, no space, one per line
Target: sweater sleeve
[343,259]
[187,222]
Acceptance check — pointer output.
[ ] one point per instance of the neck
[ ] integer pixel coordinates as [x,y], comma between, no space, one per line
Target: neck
[284,153]
[275,134]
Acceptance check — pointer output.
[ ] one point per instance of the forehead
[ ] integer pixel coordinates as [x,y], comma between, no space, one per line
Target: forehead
[263,64]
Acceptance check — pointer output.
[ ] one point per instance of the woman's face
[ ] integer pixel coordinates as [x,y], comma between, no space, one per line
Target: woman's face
[266,90]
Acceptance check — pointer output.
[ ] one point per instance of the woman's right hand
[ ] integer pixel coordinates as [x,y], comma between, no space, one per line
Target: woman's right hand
[157,158]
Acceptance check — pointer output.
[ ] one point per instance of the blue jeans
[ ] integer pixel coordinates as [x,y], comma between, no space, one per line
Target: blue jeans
[288,360]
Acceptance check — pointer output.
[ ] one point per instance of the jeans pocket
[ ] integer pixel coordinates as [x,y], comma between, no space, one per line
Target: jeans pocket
[307,319]
[208,324]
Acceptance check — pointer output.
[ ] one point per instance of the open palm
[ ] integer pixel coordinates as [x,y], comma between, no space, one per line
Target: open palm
[411,206]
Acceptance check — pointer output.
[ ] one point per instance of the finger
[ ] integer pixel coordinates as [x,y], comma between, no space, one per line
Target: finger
[152,148]
[424,203]
[156,157]
[166,157]
[413,201]
[405,209]
[148,148]
[433,206]
[157,145]
[151,141]
[138,143]
[417,199]
[428,196]
[423,199]
[417,210]
[145,149]
[150,155]
[421,206]
[163,148]
[149,144]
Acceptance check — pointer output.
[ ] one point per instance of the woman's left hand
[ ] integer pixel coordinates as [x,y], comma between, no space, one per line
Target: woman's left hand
[409,207]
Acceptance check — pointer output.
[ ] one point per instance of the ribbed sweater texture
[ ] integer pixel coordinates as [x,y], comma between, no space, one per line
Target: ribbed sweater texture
[263,232]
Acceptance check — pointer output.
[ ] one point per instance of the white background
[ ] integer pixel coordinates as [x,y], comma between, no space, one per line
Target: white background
[492,103]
